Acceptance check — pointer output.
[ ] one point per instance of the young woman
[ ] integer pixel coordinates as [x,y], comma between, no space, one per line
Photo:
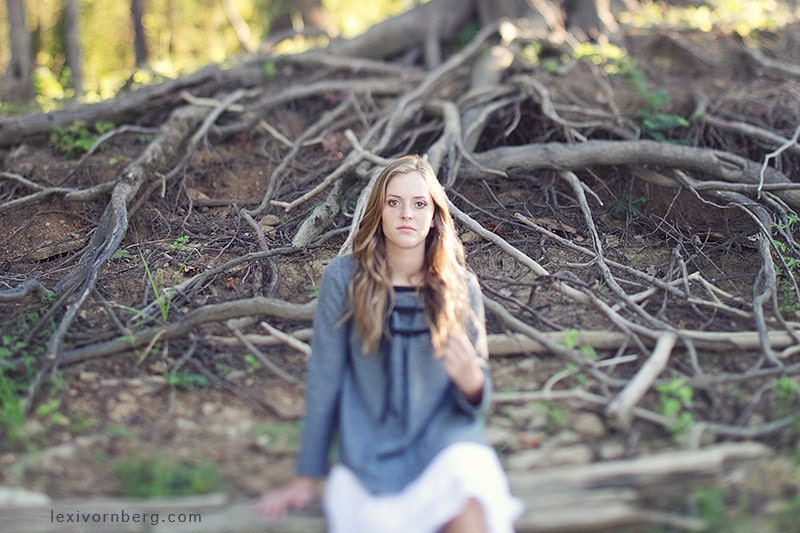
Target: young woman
[398,375]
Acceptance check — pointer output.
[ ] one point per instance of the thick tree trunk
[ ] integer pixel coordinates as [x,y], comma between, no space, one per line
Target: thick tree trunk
[72,44]
[139,39]
[17,82]
[442,19]
[299,14]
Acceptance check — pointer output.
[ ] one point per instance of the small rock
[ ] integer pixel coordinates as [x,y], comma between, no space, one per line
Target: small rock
[469,236]
[611,450]
[529,440]
[33,426]
[588,425]
[529,416]
[57,456]
[16,497]
[184,424]
[85,375]
[527,366]
[566,438]
[268,223]
[196,194]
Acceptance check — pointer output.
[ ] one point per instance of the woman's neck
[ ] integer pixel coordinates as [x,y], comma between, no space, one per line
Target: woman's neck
[406,267]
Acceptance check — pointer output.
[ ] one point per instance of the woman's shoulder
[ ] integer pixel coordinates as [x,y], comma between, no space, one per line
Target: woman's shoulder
[341,267]
[473,286]
[470,278]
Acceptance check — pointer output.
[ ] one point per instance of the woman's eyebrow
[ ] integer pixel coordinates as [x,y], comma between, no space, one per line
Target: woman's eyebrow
[401,196]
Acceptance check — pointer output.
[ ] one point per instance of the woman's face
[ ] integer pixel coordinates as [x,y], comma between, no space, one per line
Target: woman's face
[407,213]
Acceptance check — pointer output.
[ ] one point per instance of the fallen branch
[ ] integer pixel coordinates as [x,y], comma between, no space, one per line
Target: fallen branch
[290,340]
[717,341]
[114,222]
[266,361]
[562,156]
[641,383]
[203,315]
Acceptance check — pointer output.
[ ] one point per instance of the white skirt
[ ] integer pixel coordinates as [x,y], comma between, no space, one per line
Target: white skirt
[460,472]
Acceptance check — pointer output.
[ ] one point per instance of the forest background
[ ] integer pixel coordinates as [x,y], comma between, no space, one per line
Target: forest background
[178,36]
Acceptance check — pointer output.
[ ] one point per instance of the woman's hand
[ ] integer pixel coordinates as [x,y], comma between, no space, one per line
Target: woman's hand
[462,364]
[298,494]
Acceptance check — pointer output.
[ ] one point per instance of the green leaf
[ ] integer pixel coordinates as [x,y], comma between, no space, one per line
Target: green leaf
[571,338]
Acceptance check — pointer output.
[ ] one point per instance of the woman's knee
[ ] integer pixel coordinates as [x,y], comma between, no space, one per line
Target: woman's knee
[469,520]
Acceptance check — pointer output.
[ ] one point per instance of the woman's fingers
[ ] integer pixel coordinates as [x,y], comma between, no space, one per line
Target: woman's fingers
[300,493]
[460,361]
[458,347]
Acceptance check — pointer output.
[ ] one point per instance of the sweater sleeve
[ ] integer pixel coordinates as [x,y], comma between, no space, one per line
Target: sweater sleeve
[476,331]
[329,346]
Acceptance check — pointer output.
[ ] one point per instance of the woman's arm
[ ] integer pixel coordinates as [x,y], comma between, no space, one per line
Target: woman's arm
[465,356]
[326,367]
[462,363]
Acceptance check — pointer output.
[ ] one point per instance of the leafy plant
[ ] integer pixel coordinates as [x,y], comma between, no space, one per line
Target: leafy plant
[186,380]
[655,122]
[253,364]
[12,414]
[120,432]
[25,347]
[556,419]
[163,295]
[787,269]
[711,507]
[788,517]
[10,344]
[81,421]
[180,243]
[157,478]
[78,138]
[121,254]
[788,392]
[628,206]
[676,404]
[278,436]
[571,341]
[49,410]
[270,69]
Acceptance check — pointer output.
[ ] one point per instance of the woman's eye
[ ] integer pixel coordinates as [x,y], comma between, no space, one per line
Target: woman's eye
[393,203]
[420,204]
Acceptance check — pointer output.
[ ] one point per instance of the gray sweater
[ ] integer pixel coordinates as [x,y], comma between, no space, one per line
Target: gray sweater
[391,412]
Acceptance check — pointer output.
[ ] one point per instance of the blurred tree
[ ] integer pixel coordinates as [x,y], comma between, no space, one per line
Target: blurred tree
[17,83]
[139,38]
[72,44]
[239,25]
[298,15]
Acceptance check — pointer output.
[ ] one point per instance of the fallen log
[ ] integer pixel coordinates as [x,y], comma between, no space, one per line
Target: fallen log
[606,495]
[594,497]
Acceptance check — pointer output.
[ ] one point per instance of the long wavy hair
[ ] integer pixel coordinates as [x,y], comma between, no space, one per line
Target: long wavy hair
[443,289]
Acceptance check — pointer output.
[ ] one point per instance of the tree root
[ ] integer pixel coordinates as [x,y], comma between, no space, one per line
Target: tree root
[482,121]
